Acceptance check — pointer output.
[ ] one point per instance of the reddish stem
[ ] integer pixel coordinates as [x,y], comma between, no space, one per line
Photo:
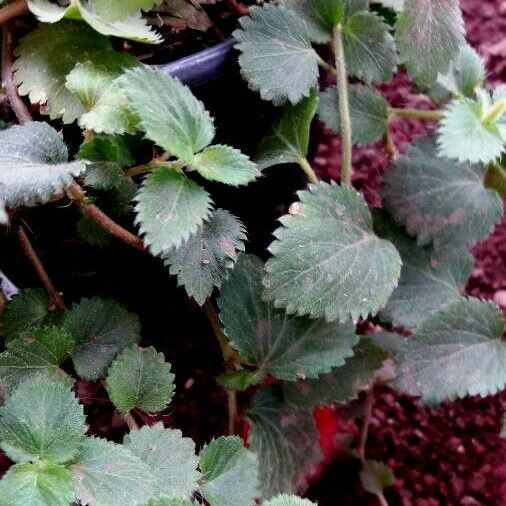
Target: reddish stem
[12,11]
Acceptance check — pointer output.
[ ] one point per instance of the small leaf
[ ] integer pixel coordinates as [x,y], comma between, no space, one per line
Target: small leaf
[204,260]
[225,165]
[376,476]
[285,441]
[170,208]
[107,473]
[343,383]
[288,500]
[288,141]
[440,200]
[176,120]
[42,419]
[456,352]
[229,473]
[140,378]
[241,379]
[37,484]
[288,347]
[327,261]
[170,457]
[429,36]
[368,113]
[101,329]
[114,10]
[107,148]
[33,164]
[277,58]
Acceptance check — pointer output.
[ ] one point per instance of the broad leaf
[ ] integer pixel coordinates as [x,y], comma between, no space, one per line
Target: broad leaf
[140,378]
[429,35]
[287,500]
[33,164]
[456,352]
[285,441]
[165,501]
[42,419]
[37,484]
[288,141]
[170,457]
[225,165]
[343,383]
[327,261]
[229,473]
[106,473]
[376,476]
[101,329]
[114,10]
[176,120]
[276,54]
[108,148]
[288,347]
[170,208]
[205,259]
[440,200]
[368,113]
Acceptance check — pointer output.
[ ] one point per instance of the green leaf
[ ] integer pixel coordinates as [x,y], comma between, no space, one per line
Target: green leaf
[33,164]
[429,35]
[114,10]
[241,379]
[169,456]
[456,352]
[277,58]
[38,484]
[42,419]
[101,329]
[288,347]
[176,120]
[440,200]
[430,280]
[170,208]
[205,259]
[327,261]
[107,148]
[288,140]
[229,473]
[284,439]
[376,476]
[107,473]
[92,233]
[24,312]
[165,501]
[41,350]
[225,165]
[288,500]
[369,49]
[368,113]
[343,383]
[140,378]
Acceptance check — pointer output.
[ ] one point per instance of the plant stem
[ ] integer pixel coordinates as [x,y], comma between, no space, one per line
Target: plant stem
[496,179]
[389,145]
[13,10]
[344,107]
[308,170]
[381,498]
[153,165]
[369,403]
[324,65]
[130,421]
[29,250]
[417,113]
[495,112]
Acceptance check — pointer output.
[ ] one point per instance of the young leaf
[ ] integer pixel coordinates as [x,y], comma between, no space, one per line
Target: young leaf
[140,378]
[288,347]
[170,208]
[24,312]
[33,164]
[169,456]
[368,113]
[101,329]
[343,383]
[288,500]
[429,36]
[229,473]
[284,439]
[440,200]
[41,350]
[327,261]
[288,141]
[376,476]
[277,58]
[114,10]
[37,484]
[456,352]
[204,260]
[107,473]
[430,280]
[176,120]
[42,419]
[107,148]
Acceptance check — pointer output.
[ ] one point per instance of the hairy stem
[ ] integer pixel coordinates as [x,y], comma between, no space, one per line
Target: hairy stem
[381,498]
[153,165]
[344,107]
[13,10]
[130,421]
[29,250]
[324,65]
[368,405]
[389,144]
[417,113]
[495,112]
[308,170]
[496,179]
